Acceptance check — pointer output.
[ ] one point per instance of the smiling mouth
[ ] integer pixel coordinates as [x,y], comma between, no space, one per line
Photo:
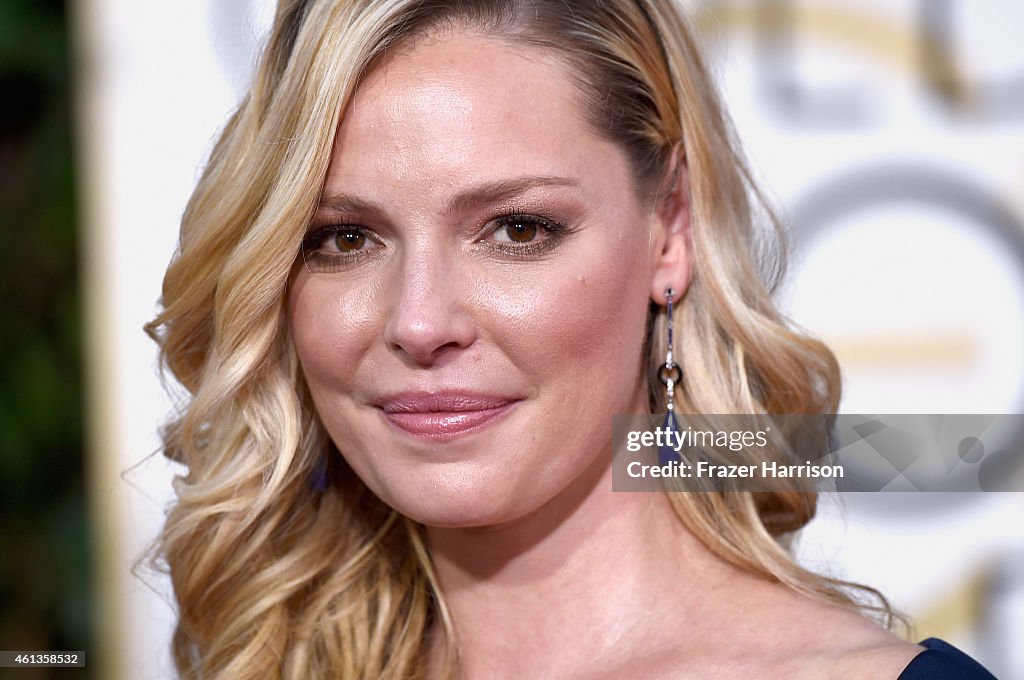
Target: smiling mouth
[443,416]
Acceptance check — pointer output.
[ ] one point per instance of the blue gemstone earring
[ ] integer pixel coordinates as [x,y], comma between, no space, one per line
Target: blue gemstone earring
[670,375]
[319,479]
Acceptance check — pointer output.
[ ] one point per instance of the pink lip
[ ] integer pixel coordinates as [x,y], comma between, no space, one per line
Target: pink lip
[443,415]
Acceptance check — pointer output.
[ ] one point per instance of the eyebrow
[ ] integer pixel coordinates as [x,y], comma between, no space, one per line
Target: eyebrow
[484,194]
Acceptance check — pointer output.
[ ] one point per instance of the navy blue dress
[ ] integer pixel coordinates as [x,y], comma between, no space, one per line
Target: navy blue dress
[943,661]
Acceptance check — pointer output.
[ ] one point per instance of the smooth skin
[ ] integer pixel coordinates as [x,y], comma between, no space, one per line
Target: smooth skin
[422,284]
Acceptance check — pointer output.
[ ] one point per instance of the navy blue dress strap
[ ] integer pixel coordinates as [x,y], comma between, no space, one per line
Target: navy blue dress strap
[943,661]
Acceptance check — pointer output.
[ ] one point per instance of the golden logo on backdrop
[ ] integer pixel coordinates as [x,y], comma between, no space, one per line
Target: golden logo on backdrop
[924,49]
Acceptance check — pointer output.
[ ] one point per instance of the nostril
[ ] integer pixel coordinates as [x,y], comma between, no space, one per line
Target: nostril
[428,337]
[425,353]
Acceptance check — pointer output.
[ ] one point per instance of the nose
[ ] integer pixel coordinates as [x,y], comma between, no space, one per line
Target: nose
[430,317]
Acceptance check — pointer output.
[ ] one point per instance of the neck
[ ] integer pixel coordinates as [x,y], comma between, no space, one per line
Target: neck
[580,579]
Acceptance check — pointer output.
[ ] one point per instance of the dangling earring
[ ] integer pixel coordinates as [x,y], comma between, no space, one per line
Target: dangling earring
[670,375]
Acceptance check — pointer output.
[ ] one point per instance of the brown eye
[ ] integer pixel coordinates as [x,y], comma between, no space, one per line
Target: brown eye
[521,231]
[349,240]
[517,230]
[334,246]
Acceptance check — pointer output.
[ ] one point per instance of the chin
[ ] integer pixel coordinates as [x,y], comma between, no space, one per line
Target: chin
[457,513]
[460,501]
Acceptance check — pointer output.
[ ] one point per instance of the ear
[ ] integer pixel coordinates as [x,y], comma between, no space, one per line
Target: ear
[673,246]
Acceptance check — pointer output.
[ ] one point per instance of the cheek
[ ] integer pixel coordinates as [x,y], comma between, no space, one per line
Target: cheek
[331,327]
[581,325]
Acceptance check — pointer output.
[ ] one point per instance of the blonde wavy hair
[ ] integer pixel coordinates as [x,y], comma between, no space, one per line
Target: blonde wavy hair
[276,580]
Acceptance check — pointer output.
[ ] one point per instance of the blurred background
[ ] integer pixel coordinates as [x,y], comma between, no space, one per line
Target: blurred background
[890,132]
[45,570]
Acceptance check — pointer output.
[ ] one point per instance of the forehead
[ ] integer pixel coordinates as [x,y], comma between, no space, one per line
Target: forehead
[460,105]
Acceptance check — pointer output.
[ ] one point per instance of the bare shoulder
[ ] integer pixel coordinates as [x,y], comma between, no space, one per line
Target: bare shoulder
[876,661]
[849,646]
[814,639]
[766,630]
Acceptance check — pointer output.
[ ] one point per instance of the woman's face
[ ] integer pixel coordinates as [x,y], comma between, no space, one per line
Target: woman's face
[472,308]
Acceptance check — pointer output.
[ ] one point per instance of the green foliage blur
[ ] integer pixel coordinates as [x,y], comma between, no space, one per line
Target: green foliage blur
[44,555]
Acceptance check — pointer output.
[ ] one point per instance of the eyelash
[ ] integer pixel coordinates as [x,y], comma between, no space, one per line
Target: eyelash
[554,231]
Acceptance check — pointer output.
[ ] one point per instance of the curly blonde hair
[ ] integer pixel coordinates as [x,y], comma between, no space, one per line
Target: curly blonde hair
[274,580]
